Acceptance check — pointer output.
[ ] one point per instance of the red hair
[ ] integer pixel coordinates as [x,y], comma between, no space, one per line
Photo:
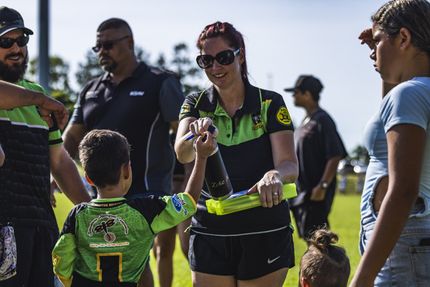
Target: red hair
[229,34]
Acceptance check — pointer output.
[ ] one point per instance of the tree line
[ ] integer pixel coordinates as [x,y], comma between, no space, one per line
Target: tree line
[181,63]
[59,79]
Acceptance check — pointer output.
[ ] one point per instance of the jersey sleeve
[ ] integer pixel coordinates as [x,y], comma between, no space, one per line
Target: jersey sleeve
[54,131]
[171,98]
[54,134]
[188,108]
[65,250]
[405,104]
[163,213]
[278,116]
[178,208]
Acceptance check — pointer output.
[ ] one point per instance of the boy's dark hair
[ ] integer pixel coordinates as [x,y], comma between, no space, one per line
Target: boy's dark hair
[324,264]
[102,154]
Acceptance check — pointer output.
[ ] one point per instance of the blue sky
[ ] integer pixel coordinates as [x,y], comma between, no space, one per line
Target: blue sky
[283,38]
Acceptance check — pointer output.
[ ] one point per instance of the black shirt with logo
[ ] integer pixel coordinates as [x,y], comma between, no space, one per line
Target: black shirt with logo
[141,108]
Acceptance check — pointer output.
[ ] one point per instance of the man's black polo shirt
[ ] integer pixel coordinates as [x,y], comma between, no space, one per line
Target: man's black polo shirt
[141,108]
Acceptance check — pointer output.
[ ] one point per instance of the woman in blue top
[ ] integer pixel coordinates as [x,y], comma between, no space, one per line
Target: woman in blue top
[395,209]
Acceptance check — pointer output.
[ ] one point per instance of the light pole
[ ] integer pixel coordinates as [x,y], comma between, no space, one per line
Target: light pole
[43,61]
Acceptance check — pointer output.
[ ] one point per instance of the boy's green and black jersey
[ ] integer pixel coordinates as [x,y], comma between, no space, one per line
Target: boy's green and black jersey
[244,143]
[25,176]
[109,240]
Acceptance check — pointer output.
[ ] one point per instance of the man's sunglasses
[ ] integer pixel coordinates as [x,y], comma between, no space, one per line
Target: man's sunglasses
[6,43]
[107,45]
[225,57]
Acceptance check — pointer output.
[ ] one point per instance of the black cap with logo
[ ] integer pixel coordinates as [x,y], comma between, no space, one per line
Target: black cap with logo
[307,83]
[11,20]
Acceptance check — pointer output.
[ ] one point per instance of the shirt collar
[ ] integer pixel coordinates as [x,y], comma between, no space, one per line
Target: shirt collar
[208,100]
[107,202]
[137,73]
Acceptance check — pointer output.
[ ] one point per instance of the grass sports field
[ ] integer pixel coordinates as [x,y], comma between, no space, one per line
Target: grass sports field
[344,220]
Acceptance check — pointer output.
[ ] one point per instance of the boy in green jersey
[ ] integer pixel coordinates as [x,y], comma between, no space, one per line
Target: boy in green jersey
[106,242]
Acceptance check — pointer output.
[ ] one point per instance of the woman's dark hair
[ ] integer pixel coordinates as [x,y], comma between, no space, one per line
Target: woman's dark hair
[229,34]
[102,154]
[324,264]
[413,15]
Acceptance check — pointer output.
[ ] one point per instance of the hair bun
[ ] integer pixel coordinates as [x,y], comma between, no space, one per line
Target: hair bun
[323,238]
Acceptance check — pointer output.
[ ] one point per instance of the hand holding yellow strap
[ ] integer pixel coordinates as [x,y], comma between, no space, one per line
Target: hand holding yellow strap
[243,202]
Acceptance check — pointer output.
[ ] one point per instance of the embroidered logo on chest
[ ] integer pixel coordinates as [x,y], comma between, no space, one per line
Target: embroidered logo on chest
[136,93]
[257,122]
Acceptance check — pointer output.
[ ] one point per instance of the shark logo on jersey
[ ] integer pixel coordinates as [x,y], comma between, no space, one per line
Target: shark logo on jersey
[104,224]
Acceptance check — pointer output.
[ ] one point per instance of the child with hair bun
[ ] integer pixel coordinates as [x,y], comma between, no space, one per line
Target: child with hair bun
[324,264]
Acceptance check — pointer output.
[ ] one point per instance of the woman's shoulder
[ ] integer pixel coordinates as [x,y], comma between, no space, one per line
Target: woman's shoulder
[419,86]
[266,94]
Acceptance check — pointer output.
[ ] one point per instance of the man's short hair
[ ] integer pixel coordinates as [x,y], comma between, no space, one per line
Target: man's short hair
[114,23]
[102,154]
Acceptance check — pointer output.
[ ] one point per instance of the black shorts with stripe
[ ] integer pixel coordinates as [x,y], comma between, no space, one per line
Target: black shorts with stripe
[245,257]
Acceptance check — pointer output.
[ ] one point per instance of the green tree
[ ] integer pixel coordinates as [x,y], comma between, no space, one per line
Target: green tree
[88,70]
[186,68]
[181,64]
[59,84]
[359,153]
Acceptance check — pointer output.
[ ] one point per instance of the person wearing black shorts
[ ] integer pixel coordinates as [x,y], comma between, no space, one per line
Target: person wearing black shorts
[255,139]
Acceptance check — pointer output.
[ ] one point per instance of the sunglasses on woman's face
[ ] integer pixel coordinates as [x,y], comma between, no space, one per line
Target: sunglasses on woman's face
[225,57]
[107,45]
[6,43]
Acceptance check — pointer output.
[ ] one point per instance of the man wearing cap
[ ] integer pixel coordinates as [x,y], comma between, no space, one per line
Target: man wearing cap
[319,149]
[32,146]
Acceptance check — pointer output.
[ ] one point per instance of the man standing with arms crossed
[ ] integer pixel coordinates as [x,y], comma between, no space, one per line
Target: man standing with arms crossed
[140,102]
[31,142]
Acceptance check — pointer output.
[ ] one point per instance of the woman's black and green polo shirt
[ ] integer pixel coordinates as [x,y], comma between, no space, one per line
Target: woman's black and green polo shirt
[245,147]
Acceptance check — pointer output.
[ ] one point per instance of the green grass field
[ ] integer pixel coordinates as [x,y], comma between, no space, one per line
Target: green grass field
[344,220]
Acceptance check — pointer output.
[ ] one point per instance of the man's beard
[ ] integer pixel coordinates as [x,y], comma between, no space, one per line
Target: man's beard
[13,73]
[109,67]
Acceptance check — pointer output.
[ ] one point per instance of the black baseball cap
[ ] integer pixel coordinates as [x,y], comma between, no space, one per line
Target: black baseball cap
[11,20]
[307,83]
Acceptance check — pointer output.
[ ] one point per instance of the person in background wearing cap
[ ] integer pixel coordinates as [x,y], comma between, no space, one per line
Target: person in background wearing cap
[31,140]
[319,149]
[142,103]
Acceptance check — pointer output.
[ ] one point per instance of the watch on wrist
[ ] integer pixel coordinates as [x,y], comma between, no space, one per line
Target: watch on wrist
[324,184]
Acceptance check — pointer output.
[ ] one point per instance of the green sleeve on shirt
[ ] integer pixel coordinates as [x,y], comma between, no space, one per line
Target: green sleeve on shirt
[178,208]
[63,256]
